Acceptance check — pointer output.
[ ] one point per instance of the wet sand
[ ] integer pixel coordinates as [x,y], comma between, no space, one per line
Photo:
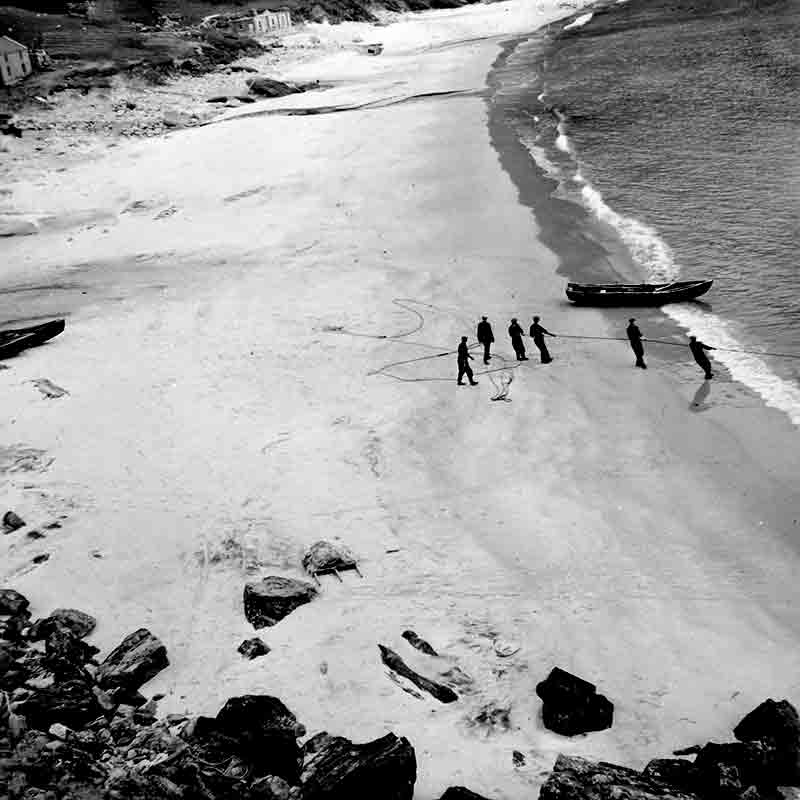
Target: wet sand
[225,412]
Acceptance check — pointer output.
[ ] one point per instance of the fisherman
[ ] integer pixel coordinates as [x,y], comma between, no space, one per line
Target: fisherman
[537,334]
[485,337]
[697,347]
[463,363]
[635,338]
[516,334]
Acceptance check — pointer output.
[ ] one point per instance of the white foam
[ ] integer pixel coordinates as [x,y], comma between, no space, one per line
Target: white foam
[562,140]
[579,22]
[747,368]
[649,250]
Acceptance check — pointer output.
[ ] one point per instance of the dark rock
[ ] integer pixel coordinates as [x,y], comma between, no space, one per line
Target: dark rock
[576,778]
[41,558]
[384,769]
[243,98]
[674,771]
[77,622]
[12,602]
[420,644]
[736,763]
[460,793]
[314,744]
[517,758]
[273,598]
[572,706]
[267,732]
[139,657]
[222,98]
[268,87]
[71,702]
[253,648]
[12,522]
[778,723]
[442,693]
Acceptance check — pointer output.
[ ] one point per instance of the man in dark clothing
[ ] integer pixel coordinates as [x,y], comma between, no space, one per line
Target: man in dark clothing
[485,337]
[537,334]
[697,348]
[516,334]
[635,338]
[463,363]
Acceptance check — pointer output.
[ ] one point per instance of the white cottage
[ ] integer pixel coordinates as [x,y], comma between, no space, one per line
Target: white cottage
[15,61]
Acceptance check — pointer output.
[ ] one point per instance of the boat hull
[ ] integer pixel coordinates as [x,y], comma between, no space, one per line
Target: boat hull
[18,339]
[653,294]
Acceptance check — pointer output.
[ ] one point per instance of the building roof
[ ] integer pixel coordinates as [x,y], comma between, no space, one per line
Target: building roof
[9,45]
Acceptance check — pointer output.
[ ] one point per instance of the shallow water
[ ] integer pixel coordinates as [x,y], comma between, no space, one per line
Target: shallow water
[677,127]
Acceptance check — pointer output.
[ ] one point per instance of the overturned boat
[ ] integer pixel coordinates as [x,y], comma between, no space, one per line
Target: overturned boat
[635,294]
[13,341]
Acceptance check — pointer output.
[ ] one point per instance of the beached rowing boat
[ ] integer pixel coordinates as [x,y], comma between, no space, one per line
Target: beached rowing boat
[635,294]
[13,341]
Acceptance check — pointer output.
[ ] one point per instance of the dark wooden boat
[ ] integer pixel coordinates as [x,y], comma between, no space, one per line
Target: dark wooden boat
[635,294]
[13,341]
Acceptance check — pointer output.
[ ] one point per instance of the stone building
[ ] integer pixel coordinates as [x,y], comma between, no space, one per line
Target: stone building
[263,22]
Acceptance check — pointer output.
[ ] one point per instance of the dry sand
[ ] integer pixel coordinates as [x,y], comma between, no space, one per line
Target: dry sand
[217,423]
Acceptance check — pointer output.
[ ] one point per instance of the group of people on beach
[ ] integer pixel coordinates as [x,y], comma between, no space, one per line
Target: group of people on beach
[537,332]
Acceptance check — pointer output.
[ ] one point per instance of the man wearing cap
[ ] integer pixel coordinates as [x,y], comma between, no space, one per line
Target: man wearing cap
[700,357]
[516,334]
[537,334]
[485,337]
[635,338]
[463,363]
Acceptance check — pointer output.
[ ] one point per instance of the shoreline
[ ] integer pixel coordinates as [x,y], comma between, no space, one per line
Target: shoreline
[218,423]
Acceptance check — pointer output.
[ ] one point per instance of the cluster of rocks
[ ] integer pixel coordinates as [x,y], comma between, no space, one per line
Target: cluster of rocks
[75,727]
[763,764]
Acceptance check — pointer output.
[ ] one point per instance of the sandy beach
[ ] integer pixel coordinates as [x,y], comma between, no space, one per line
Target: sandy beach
[237,296]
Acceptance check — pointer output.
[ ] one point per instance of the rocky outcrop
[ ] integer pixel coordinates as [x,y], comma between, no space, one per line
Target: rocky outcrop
[576,778]
[571,705]
[271,599]
[325,555]
[138,658]
[384,769]
[70,702]
[443,694]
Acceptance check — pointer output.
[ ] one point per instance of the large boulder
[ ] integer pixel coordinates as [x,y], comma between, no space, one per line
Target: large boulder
[79,623]
[576,778]
[776,723]
[268,87]
[138,658]
[267,733]
[384,769]
[725,767]
[271,599]
[571,705]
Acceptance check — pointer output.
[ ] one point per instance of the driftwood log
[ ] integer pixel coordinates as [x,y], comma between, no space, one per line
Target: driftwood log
[443,694]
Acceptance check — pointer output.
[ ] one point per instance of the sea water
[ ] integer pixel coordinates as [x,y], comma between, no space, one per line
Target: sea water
[677,126]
